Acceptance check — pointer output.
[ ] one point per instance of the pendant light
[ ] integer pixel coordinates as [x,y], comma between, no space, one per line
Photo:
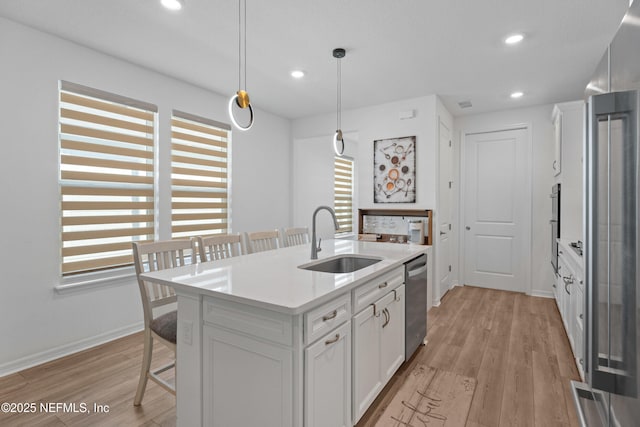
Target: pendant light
[338,140]
[241,98]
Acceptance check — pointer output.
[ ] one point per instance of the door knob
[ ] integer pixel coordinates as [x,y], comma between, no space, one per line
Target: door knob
[468,228]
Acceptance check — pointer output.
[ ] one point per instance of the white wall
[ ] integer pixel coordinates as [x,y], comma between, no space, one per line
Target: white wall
[312,180]
[379,122]
[542,179]
[37,323]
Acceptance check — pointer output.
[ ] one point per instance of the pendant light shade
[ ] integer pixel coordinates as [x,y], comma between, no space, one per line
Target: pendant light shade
[338,140]
[241,98]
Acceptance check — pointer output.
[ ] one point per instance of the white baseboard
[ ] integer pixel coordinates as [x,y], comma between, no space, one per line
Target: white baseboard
[67,349]
[542,294]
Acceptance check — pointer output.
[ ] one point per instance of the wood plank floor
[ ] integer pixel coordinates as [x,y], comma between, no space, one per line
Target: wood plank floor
[104,375]
[512,344]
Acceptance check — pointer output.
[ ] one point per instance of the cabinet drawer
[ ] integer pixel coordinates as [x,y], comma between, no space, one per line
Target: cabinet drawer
[321,320]
[373,290]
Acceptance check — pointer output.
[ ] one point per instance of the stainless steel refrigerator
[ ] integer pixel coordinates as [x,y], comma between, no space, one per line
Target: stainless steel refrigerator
[610,397]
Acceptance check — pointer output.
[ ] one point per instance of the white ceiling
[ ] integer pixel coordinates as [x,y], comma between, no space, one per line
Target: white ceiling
[396,49]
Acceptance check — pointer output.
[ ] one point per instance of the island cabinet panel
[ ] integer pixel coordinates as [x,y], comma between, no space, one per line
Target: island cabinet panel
[264,343]
[246,382]
[378,347]
[328,380]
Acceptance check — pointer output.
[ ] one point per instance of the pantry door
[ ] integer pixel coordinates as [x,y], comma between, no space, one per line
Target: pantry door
[497,210]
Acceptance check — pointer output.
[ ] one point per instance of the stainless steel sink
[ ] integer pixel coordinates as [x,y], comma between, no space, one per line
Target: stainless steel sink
[341,264]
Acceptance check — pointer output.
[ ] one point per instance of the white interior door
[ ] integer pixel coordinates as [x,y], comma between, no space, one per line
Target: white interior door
[444,209]
[496,198]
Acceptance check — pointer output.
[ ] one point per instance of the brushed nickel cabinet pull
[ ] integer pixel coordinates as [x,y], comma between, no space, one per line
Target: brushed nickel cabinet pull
[383,285]
[387,316]
[332,340]
[330,316]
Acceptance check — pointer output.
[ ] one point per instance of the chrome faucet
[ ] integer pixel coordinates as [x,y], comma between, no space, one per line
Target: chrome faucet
[315,249]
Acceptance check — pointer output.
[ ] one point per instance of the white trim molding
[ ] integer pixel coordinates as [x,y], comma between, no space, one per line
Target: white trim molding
[67,349]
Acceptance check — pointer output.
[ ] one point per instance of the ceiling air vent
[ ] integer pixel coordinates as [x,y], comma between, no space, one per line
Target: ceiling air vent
[465,104]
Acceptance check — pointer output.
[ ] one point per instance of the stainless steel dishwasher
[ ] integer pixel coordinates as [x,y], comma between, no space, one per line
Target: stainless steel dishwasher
[415,280]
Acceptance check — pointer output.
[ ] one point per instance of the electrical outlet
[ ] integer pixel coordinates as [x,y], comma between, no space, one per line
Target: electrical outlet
[186,330]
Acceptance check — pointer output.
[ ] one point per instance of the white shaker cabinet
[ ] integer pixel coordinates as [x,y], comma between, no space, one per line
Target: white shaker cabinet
[328,380]
[568,119]
[557,152]
[571,301]
[392,335]
[578,328]
[378,347]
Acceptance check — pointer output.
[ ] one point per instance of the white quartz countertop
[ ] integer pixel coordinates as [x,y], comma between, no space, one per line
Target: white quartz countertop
[273,280]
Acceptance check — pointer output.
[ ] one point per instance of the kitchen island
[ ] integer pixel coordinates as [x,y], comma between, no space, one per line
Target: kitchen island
[264,342]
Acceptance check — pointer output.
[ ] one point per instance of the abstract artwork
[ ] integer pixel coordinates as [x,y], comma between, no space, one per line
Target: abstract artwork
[394,170]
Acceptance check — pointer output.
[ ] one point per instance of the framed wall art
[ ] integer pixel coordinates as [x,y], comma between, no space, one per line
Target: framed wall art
[394,170]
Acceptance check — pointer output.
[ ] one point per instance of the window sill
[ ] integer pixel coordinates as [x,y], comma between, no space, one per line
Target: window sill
[87,281]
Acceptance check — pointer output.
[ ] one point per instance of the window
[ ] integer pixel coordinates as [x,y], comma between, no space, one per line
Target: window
[343,193]
[199,176]
[106,177]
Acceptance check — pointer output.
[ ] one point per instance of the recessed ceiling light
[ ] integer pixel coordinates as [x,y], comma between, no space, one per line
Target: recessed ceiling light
[173,4]
[517,95]
[514,39]
[297,74]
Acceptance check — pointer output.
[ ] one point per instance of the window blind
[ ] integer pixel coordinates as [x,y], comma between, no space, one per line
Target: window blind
[106,177]
[199,176]
[343,193]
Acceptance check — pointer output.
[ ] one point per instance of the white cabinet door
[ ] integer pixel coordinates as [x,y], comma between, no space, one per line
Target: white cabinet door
[378,348]
[392,335]
[557,153]
[238,369]
[327,397]
[578,329]
[366,360]
[564,292]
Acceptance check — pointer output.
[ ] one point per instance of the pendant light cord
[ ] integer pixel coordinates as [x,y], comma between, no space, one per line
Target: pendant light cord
[245,44]
[242,44]
[339,97]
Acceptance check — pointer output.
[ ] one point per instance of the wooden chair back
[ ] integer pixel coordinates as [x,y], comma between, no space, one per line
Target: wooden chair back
[219,247]
[296,236]
[154,256]
[260,241]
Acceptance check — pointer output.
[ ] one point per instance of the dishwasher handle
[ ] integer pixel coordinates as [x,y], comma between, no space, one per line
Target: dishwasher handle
[417,271]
